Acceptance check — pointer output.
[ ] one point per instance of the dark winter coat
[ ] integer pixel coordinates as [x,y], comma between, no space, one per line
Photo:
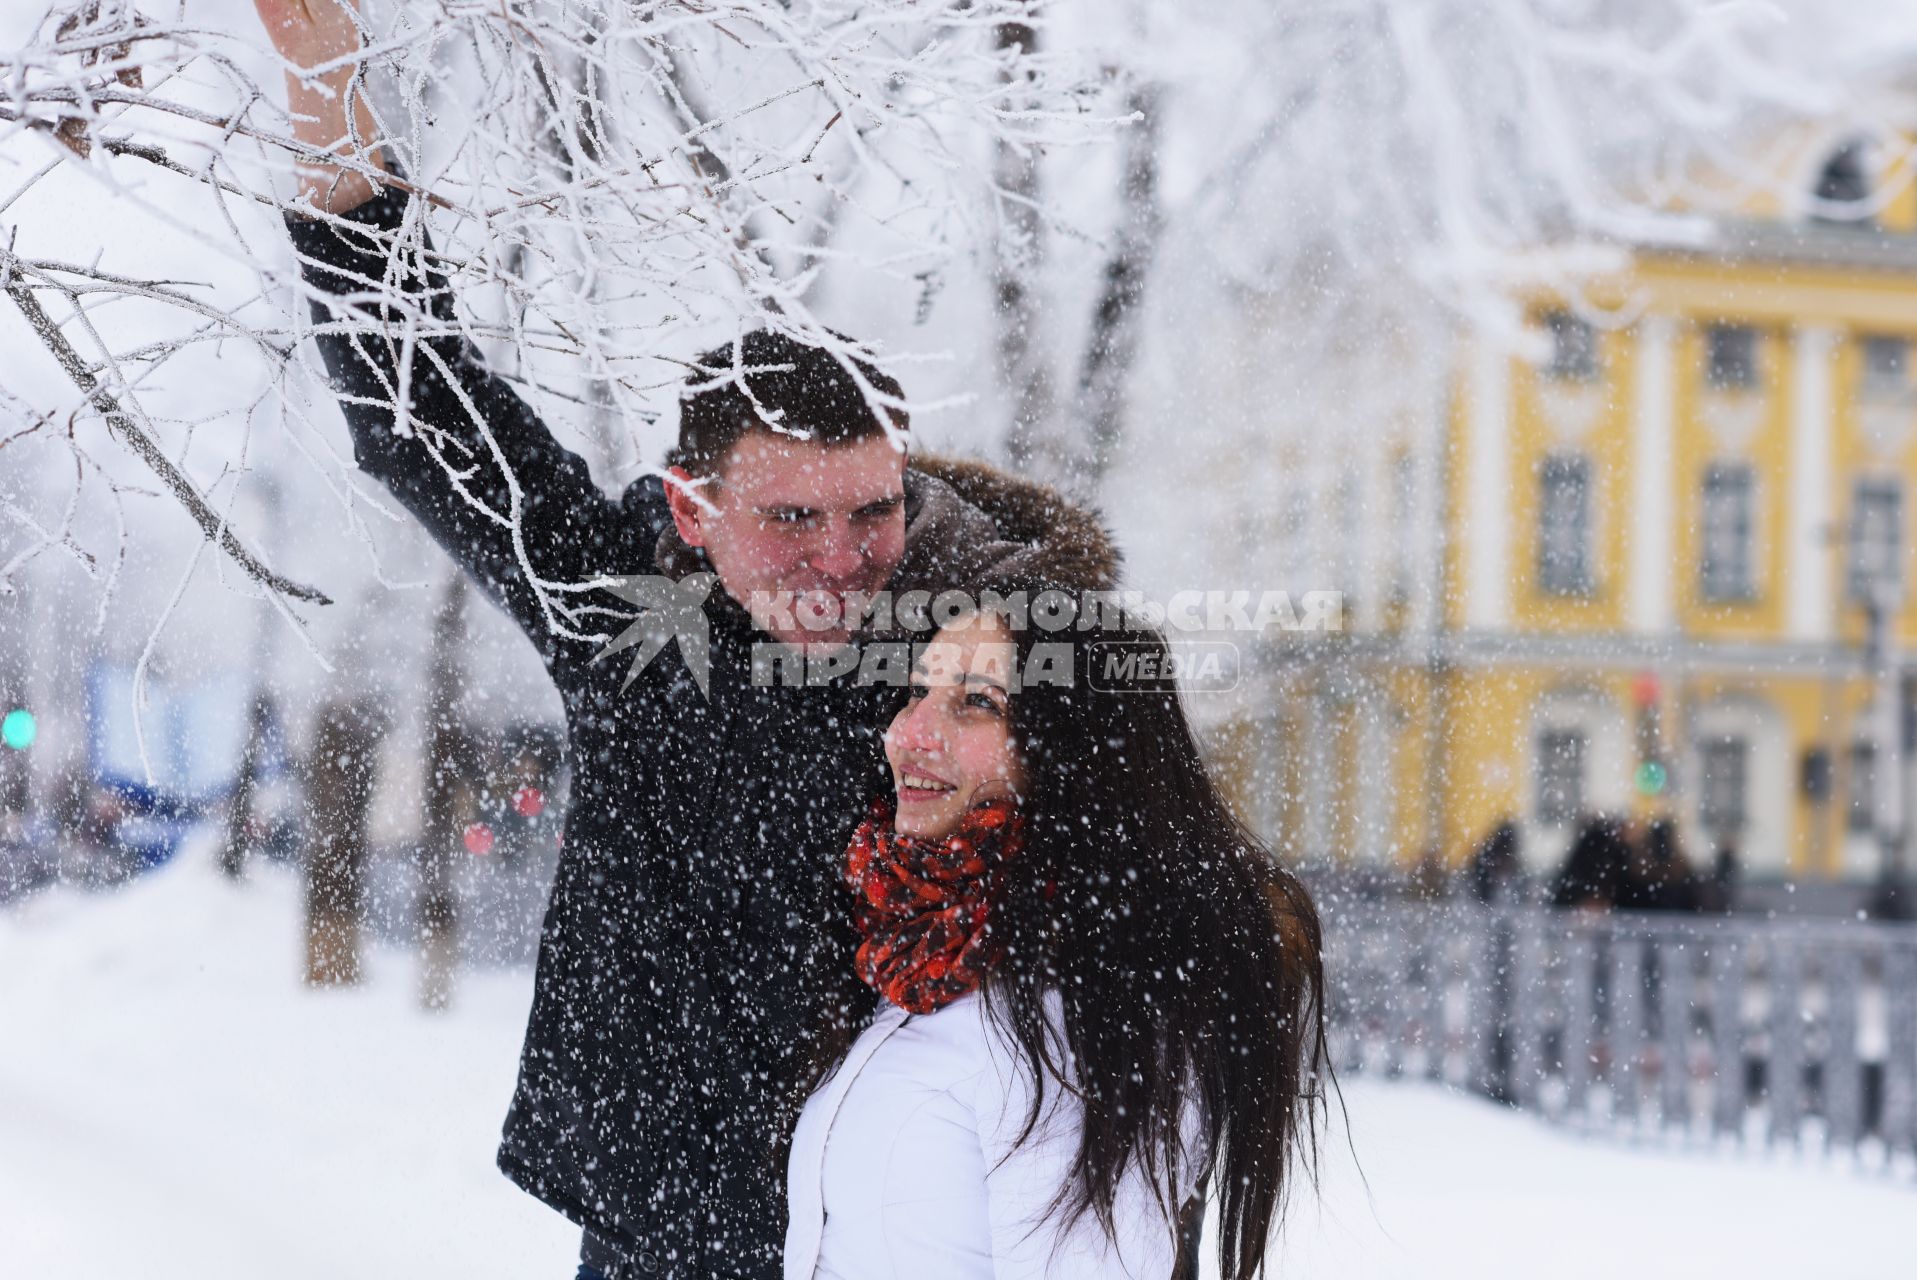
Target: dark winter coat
[695,935]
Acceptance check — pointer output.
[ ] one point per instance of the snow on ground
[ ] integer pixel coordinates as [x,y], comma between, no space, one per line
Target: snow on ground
[1463,1189]
[173,1104]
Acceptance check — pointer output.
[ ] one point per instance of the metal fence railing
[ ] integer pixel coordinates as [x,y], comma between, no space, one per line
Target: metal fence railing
[1786,1031]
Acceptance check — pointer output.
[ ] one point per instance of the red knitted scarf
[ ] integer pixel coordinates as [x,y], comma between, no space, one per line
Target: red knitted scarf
[923,907]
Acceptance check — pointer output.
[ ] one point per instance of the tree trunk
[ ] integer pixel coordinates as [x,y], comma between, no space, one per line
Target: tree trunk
[446,763]
[341,771]
[1032,443]
[1111,349]
[239,813]
[1073,450]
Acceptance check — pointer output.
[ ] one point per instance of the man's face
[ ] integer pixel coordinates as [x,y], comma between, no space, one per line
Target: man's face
[799,521]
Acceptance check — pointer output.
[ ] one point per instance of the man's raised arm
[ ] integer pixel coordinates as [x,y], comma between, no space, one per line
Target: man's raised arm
[468,458]
[316,33]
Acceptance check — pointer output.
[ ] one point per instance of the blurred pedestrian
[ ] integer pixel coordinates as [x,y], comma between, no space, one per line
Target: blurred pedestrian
[1493,877]
[1597,870]
[519,802]
[1718,892]
[1430,878]
[1496,866]
[1664,880]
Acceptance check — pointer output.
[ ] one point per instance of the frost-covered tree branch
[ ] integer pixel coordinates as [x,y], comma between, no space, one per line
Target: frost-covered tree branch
[138,438]
[618,186]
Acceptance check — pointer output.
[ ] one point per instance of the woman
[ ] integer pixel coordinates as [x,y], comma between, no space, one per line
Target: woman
[1099,990]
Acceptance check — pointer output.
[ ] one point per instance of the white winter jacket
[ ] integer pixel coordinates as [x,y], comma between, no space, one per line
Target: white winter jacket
[903,1167]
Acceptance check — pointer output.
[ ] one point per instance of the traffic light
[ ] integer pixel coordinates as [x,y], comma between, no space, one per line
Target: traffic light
[18,728]
[1653,775]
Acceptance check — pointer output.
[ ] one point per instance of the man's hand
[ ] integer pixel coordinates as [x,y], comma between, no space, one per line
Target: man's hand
[314,33]
[309,32]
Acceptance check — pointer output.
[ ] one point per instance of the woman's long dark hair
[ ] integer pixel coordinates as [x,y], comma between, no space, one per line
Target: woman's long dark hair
[1186,960]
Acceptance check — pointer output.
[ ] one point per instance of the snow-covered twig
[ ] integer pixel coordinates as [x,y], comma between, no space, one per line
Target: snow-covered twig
[142,444]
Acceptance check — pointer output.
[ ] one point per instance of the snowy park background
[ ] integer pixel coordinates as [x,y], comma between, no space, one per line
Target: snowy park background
[1349,184]
[171,1105]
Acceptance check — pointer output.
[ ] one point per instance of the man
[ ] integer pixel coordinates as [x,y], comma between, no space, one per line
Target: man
[695,935]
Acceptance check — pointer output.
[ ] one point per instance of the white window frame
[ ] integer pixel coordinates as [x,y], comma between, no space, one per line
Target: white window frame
[1575,356]
[1716,754]
[1732,357]
[1568,570]
[1727,533]
[1884,366]
[1875,539]
[1563,757]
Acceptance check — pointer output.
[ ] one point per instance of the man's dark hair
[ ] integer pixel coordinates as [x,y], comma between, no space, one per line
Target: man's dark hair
[799,388]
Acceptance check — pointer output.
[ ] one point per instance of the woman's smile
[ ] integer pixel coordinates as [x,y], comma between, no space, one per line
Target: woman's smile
[951,745]
[916,786]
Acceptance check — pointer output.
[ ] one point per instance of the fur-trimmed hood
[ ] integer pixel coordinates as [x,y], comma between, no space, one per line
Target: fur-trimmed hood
[967,521]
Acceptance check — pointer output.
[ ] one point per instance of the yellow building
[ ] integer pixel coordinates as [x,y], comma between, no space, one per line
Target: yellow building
[1651,542]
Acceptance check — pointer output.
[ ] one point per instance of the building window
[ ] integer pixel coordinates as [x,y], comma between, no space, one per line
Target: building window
[1876,536]
[1727,568]
[1560,775]
[1723,800]
[1564,525]
[1862,816]
[1845,180]
[1730,357]
[1886,367]
[1574,347]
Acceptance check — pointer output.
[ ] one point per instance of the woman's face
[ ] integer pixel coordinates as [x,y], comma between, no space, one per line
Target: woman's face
[951,746]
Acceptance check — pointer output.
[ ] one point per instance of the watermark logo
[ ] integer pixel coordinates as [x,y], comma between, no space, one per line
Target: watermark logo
[668,611]
[1119,666]
[1051,609]
[1112,666]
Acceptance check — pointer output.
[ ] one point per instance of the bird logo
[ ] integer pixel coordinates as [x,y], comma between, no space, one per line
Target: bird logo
[668,611]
